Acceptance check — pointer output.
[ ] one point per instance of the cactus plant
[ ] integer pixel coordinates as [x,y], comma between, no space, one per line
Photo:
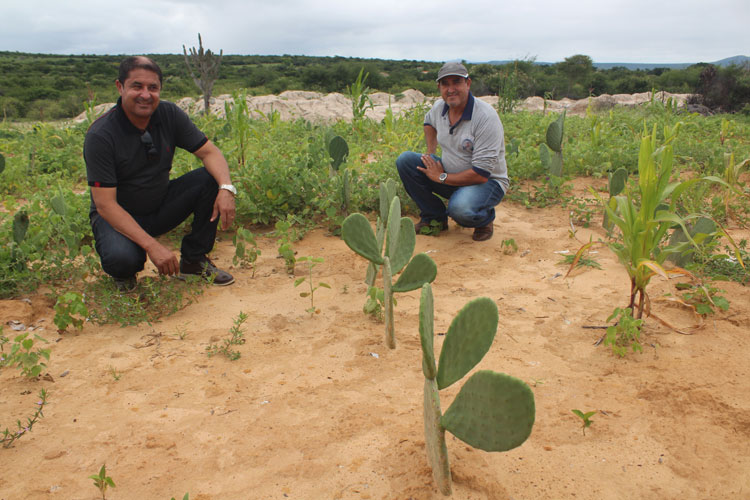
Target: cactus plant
[615,185]
[338,150]
[492,411]
[400,240]
[550,153]
[2,163]
[387,193]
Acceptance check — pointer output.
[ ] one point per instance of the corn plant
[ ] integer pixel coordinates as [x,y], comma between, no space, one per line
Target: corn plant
[400,240]
[359,93]
[644,216]
[492,411]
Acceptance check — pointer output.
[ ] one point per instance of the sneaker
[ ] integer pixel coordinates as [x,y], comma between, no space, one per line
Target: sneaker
[125,284]
[205,269]
[426,224]
[483,233]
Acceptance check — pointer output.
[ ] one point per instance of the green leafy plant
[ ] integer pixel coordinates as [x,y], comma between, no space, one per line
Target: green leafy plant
[585,419]
[22,354]
[186,497]
[492,411]
[115,374]
[375,303]
[644,217]
[285,249]
[9,437]
[359,93]
[246,251]
[509,246]
[582,260]
[705,297]
[399,247]
[311,263]
[102,481]
[237,337]
[70,310]
[626,332]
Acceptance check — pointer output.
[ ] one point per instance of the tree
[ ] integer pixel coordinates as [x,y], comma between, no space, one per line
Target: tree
[206,65]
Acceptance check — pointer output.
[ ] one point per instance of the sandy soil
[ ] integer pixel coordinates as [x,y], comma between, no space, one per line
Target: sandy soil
[317,407]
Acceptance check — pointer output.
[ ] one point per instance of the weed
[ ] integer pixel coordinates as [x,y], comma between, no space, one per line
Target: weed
[311,263]
[580,261]
[246,249]
[704,297]
[115,374]
[70,310]
[434,229]
[375,303]
[509,246]
[186,497]
[22,354]
[102,481]
[585,419]
[237,338]
[9,437]
[625,332]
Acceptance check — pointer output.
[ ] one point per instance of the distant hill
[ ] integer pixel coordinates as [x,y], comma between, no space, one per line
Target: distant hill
[739,60]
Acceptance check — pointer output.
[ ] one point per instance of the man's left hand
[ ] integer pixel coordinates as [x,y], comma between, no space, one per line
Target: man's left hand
[224,208]
[432,168]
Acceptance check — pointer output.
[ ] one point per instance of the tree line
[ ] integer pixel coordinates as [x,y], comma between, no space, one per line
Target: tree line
[49,87]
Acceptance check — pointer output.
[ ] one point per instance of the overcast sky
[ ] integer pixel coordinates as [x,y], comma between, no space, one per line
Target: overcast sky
[651,31]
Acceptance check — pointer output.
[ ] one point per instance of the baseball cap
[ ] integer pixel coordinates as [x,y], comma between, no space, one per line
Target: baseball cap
[452,68]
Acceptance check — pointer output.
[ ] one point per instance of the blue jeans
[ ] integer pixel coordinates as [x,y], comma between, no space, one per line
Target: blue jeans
[192,193]
[469,206]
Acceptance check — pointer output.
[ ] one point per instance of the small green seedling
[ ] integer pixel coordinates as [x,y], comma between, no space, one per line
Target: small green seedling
[23,356]
[237,338]
[509,246]
[246,251]
[311,263]
[186,497]
[102,481]
[585,418]
[70,309]
[625,332]
[9,437]
[115,374]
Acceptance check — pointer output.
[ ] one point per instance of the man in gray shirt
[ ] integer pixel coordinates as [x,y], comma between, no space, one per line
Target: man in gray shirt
[472,174]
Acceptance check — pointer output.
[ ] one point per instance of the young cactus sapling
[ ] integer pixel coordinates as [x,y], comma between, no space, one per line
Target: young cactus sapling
[492,411]
[400,240]
[551,153]
[387,193]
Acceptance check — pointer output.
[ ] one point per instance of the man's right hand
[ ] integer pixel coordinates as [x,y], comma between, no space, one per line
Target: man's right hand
[163,258]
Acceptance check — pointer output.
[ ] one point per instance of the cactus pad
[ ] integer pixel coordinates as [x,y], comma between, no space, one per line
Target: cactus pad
[617,181]
[434,437]
[359,236]
[2,163]
[20,226]
[420,270]
[555,134]
[469,337]
[492,412]
[556,164]
[338,149]
[427,331]
[407,240]
[390,334]
[58,204]
[387,193]
[393,227]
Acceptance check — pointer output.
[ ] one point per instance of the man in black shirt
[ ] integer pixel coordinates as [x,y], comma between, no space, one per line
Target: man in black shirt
[128,153]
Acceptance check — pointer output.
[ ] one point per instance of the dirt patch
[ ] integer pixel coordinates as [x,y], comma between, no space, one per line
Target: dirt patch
[318,407]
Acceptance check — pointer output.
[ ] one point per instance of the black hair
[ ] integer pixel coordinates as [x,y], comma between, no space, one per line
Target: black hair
[137,62]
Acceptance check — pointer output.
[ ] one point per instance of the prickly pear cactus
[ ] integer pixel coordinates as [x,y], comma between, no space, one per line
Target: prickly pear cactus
[338,150]
[615,185]
[358,235]
[20,226]
[550,153]
[493,411]
[2,163]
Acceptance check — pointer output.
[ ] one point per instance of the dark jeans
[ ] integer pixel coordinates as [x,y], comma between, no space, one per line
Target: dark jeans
[469,206]
[193,193]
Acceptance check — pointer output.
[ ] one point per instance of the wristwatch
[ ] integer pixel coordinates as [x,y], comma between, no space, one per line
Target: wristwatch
[442,177]
[229,188]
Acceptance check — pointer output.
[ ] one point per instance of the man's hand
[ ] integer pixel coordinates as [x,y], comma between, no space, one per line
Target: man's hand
[224,208]
[164,260]
[432,168]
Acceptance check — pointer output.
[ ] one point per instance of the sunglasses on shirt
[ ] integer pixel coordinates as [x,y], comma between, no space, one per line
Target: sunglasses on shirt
[148,143]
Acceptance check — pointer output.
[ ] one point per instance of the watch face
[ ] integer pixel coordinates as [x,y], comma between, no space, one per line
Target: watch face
[443,176]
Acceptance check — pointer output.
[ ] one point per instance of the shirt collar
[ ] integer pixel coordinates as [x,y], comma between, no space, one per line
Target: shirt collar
[123,118]
[466,115]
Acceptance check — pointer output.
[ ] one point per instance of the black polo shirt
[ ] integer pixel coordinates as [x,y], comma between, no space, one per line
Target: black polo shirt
[116,156]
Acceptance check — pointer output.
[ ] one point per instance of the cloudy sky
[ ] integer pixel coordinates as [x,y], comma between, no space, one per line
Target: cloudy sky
[652,31]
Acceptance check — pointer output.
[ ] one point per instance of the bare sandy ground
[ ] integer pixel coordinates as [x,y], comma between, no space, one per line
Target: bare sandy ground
[318,408]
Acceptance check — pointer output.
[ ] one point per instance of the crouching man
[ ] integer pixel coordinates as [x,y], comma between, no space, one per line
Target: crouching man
[128,153]
[472,174]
